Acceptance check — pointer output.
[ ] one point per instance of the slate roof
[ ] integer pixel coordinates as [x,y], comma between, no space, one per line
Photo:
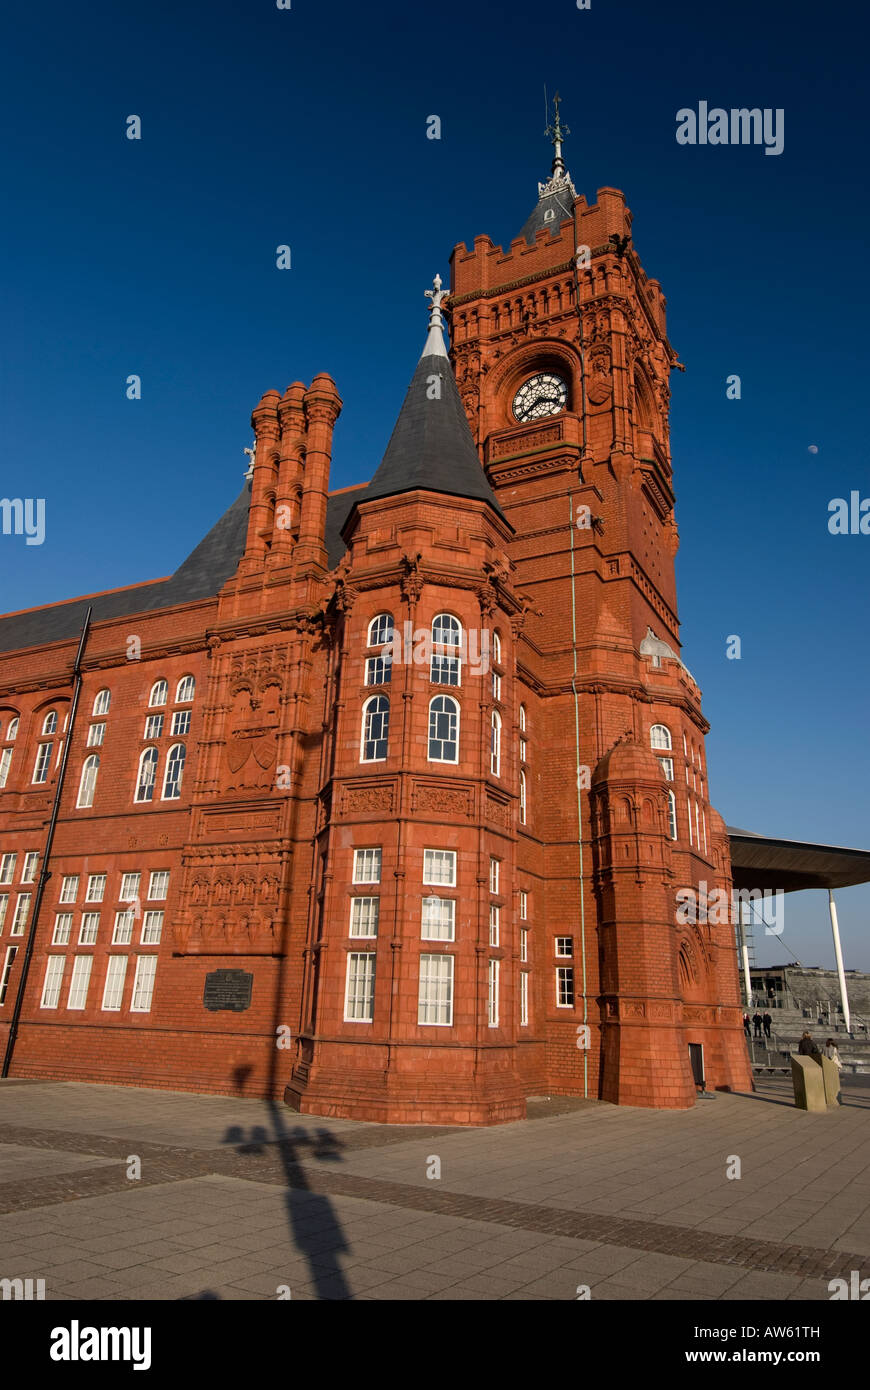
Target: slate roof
[201,575]
[431,446]
[560,203]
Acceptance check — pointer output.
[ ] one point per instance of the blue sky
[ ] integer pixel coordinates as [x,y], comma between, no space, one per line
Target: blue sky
[308,127]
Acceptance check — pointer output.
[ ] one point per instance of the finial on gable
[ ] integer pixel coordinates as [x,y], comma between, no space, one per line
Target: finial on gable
[434,346]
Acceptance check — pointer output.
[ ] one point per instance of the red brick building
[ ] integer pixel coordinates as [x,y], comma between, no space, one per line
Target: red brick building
[418,760]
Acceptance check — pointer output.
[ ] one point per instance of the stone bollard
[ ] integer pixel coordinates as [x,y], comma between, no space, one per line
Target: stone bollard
[809,1086]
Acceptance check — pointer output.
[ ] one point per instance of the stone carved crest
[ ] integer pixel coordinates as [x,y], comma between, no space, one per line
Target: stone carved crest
[600,383]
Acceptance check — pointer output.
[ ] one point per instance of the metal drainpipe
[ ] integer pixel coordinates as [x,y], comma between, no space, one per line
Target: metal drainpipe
[44,875]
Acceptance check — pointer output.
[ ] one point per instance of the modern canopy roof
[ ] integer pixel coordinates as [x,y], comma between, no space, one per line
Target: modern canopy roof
[758,861]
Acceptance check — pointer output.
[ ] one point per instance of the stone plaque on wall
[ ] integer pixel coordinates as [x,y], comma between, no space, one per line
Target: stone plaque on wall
[228,989]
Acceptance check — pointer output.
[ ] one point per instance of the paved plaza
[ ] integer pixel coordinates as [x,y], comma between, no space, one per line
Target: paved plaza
[241,1199]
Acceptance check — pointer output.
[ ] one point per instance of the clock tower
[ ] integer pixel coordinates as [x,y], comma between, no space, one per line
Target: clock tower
[562,360]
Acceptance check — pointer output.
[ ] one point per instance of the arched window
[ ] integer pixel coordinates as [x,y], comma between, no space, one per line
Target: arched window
[496,648]
[522,719]
[660,737]
[146,775]
[443,730]
[49,723]
[12,731]
[159,692]
[375,729]
[446,644]
[174,772]
[380,630]
[185,690]
[672,816]
[495,745]
[43,762]
[102,701]
[88,783]
[522,798]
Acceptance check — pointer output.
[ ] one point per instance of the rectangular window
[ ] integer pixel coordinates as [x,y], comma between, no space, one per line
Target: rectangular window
[22,911]
[668,768]
[359,994]
[96,734]
[113,992]
[152,928]
[69,888]
[439,866]
[158,886]
[5,764]
[438,919]
[524,905]
[496,685]
[78,985]
[52,983]
[96,888]
[7,868]
[11,953]
[379,670]
[62,929]
[494,914]
[43,758]
[492,994]
[565,946]
[122,934]
[524,999]
[181,722]
[4,907]
[689,814]
[143,984]
[153,726]
[129,887]
[494,867]
[704,827]
[565,986]
[524,756]
[364,916]
[28,873]
[367,866]
[89,928]
[435,998]
[524,944]
[445,670]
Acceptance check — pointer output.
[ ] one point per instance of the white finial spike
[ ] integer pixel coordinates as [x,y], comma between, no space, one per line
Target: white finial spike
[434,346]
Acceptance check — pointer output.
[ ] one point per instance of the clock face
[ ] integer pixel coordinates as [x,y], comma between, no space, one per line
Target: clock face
[544,394]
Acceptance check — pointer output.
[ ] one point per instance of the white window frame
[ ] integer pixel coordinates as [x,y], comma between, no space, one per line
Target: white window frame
[143,984]
[154,883]
[4,908]
[450,715]
[439,867]
[172,788]
[131,882]
[12,731]
[154,726]
[5,764]
[113,989]
[359,987]
[22,912]
[673,831]
[492,993]
[369,712]
[152,927]
[8,962]
[185,691]
[96,889]
[364,918]
[495,744]
[69,888]
[494,873]
[524,998]
[122,932]
[96,735]
[524,904]
[102,701]
[144,784]
[564,976]
[660,737]
[7,866]
[52,982]
[180,725]
[30,865]
[379,669]
[89,929]
[367,865]
[445,663]
[559,950]
[79,983]
[494,923]
[380,630]
[49,723]
[88,782]
[159,694]
[523,799]
[437,918]
[524,945]
[435,991]
[62,932]
[42,764]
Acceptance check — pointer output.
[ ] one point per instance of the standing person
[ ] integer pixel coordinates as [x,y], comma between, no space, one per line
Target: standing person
[756,1023]
[768,1023]
[747,1027]
[806,1046]
[833,1054]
